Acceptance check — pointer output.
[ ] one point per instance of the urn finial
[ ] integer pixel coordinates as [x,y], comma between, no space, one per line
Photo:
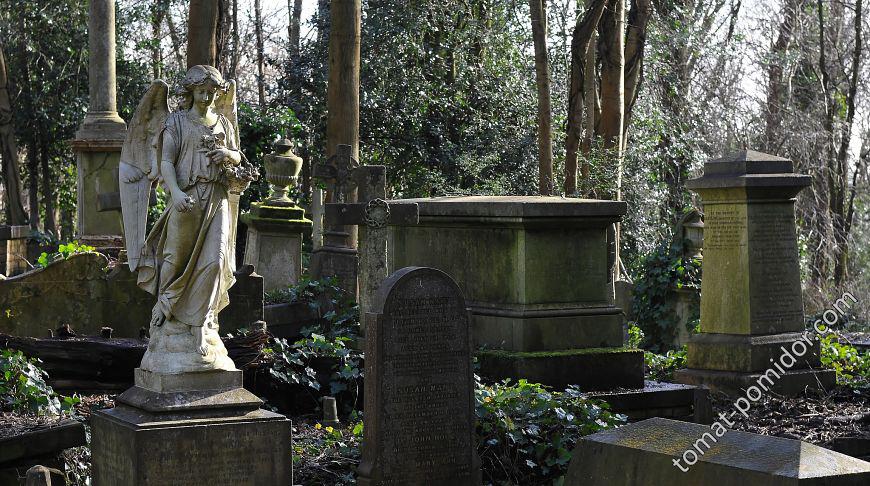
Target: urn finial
[282,170]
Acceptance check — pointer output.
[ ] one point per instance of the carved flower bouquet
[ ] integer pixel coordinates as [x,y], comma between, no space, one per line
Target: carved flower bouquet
[236,178]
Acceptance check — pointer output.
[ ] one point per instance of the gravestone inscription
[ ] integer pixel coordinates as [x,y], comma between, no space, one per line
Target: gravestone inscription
[419,405]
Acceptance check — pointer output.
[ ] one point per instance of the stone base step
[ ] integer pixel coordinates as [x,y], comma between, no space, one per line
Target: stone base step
[591,369]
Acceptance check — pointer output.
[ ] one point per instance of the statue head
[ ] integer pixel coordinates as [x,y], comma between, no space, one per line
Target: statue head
[202,84]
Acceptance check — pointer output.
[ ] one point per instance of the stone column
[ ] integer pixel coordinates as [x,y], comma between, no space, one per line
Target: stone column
[102,121]
[752,315]
[99,139]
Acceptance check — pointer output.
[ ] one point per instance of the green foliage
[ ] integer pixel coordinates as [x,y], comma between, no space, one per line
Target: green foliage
[635,336]
[295,363]
[326,348]
[64,251]
[447,96]
[658,277]
[852,366]
[526,432]
[661,367]
[23,387]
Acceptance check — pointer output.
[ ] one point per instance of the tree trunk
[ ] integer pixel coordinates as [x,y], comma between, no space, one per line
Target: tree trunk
[612,49]
[584,32]
[234,61]
[48,193]
[776,83]
[261,61]
[542,76]
[635,41]
[33,185]
[202,31]
[158,10]
[344,66]
[15,214]
[295,7]
[175,37]
[841,214]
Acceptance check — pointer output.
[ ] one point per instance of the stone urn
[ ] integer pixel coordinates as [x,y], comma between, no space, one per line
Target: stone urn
[282,171]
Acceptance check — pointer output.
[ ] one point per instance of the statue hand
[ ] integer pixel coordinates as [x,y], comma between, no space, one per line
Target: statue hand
[130,174]
[224,156]
[182,202]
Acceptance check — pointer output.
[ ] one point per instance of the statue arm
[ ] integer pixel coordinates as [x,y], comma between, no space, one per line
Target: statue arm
[180,200]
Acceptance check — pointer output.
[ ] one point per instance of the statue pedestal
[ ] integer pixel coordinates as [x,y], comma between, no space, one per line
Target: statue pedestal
[274,244]
[189,429]
[98,221]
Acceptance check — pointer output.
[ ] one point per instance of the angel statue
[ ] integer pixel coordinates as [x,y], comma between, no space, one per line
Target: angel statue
[187,260]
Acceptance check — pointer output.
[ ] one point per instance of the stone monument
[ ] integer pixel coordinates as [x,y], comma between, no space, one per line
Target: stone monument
[98,141]
[751,303]
[187,420]
[276,226]
[536,273]
[419,388]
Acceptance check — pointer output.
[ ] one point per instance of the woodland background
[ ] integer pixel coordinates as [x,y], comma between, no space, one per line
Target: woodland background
[450,99]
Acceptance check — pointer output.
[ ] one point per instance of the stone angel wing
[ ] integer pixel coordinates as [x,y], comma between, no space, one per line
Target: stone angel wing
[226,106]
[140,162]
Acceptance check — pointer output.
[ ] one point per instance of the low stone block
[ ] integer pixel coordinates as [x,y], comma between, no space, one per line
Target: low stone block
[132,447]
[735,352]
[643,454]
[591,369]
[735,383]
[586,328]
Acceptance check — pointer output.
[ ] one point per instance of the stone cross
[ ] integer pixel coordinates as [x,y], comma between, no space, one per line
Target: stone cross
[373,219]
[338,173]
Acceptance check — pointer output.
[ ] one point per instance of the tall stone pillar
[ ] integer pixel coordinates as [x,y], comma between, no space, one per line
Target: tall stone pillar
[752,314]
[99,139]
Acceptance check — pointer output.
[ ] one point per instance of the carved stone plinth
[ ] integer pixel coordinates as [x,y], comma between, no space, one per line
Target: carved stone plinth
[274,244]
[189,429]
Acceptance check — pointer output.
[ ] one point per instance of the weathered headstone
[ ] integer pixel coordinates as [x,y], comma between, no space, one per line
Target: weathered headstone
[419,402]
[98,141]
[751,302]
[83,292]
[659,452]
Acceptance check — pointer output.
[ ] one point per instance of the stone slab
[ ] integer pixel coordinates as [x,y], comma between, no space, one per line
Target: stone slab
[42,442]
[733,352]
[735,383]
[97,174]
[591,369]
[184,382]
[641,454]
[177,402]
[517,207]
[133,448]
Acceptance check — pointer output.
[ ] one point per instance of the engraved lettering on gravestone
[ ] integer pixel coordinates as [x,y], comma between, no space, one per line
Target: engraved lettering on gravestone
[724,228]
[419,350]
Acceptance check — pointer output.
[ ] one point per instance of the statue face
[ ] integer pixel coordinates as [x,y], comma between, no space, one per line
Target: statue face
[204,95]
